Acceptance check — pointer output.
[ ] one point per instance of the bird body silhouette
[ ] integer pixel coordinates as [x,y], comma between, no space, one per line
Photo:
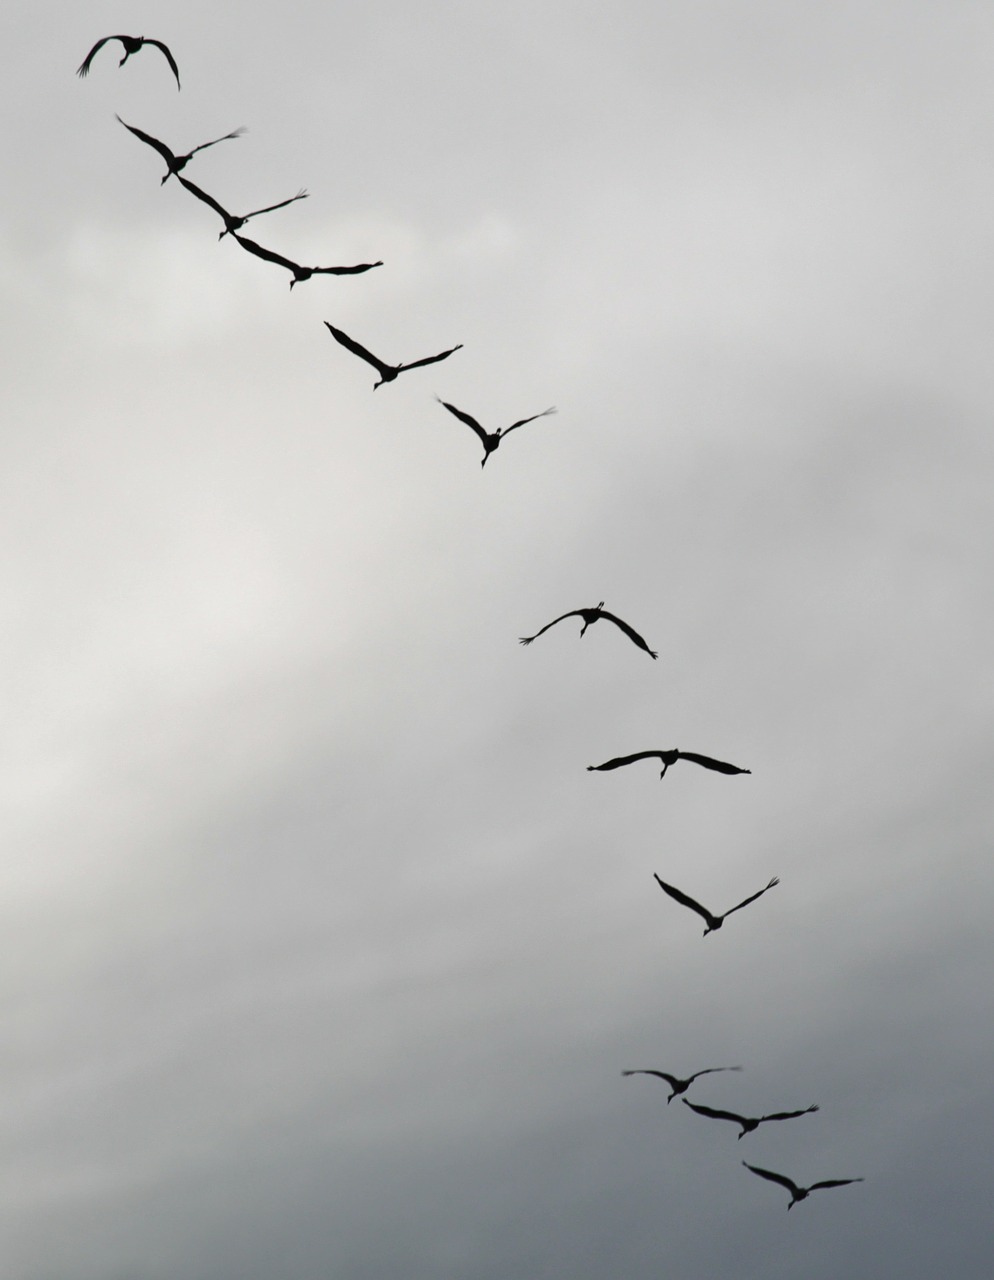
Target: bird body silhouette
[131,45]
[233,222]
[677,1084]
[668,758]
[387,372]
[713,922]
[490,439]
[798,1193]
[594,615]
[301,273]
[748,1123]
[175,162]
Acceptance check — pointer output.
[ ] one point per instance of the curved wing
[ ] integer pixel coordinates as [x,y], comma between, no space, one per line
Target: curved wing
[710,763]
[442,355]
[573,613]
[745,902]
[715,1115]
[468,418]
[834,1182]
[788,1115]
[169,58]
[235,133]
[708,1071]
[619,761]
[672,1081]
[84,67]
[147,138]
[685,900]
[770,1176]
[632,635]
[266,254]
[521,422]
[194,190]
[356,348]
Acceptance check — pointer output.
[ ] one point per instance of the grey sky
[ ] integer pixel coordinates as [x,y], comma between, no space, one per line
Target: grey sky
[324,953]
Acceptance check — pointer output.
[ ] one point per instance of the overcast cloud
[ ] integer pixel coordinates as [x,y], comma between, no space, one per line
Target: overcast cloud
[324,953]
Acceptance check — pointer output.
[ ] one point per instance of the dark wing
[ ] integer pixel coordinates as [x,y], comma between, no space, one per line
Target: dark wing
[235,133]
[521,422]
[442,355]
[169,58]
[84,67]
[789,1115]
[468,418]
[745,902]
[194,190]
[792,1187]
[672,1081]
[708,1070]
[573,613]
[266,254]
[350,344]
[834,1182]
[678,896]
[302,194]
[147,138]
[618,761]
[632,635]
[347,271]
[709,763]
[710,1111]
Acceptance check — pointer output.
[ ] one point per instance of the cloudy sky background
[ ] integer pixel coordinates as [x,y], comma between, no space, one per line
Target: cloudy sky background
[323,953]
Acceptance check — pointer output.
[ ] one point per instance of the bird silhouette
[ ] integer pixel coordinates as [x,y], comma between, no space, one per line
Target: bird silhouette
[387,372]
[748,1123]
[668,758]
[490,439]
[175,162]
[131,45]
[232,222]
[713,922]
[301,273]
[798,1193]
[593,615]
[677,1084]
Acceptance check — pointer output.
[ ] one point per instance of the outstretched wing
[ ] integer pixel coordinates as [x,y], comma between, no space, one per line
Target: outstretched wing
[573,613]
[632,635]
[789,1115]
[357,349]
[266,254]
[768,1174]
[672,1081]
[169,58]
[84,67]
[345,271]
[708,1070]
[302,194]
[194,190]
[834,1182]
[147,138]
[468,418]
[521,422]
[685,900]
[235,133]
[618,761]
[710,1111]
[442,355]
[710,763]
[746,901]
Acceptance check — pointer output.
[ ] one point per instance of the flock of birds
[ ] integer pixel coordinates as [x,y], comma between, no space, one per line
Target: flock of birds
[233,223]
